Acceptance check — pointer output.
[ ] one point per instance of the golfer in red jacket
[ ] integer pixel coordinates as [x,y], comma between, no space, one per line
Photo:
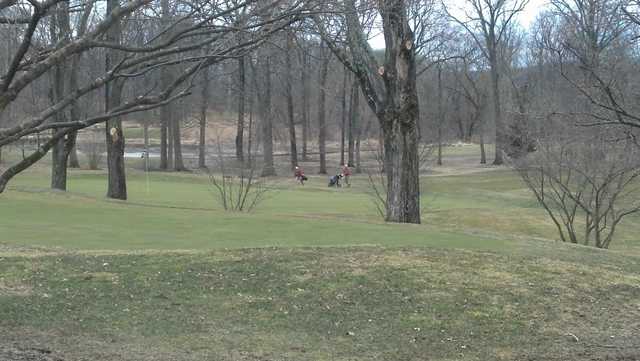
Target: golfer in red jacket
[299,174]
[346,172]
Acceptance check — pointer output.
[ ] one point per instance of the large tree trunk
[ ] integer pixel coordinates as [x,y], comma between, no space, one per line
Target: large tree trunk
[59,165]
[392,95]
[65,151]
[204,107]
[58,153]
[60,33]
[266,115]
[60,156]
[400,118]
[290,109]
[402,166]
[117,186]
[241,111]
[352,129]
[322,130]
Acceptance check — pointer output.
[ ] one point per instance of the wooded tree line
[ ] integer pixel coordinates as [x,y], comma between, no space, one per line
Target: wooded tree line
[302,74]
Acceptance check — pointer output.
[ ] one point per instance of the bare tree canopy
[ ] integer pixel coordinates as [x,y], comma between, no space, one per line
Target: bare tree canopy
[489,23]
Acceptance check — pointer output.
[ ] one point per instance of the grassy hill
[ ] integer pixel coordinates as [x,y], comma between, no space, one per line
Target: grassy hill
[311,275]
[372,303]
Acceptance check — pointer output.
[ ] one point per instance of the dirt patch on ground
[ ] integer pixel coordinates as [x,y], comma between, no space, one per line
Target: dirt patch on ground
[14,353]
[14,289]
[25,251]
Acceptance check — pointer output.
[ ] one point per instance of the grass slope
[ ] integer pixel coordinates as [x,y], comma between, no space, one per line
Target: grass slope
[323,304]
[167,275]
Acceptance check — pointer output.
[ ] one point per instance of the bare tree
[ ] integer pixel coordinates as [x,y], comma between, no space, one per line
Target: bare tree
[178,163]
[238,190]
[304,69]
[241,108]
[60,32]
[322,126]
[390,90]
[266,111]
[117,186]
[488,23]
[343,114]
[165,116]
[354,122]
[242,96]
[586,180]
[293,149]
[207,28]
[592,44]
[471,89]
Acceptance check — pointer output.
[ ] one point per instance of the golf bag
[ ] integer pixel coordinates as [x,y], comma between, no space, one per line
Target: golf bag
[335,180]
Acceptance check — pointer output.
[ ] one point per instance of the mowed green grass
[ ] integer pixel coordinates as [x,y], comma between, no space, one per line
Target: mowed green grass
[181,212]
[487,210]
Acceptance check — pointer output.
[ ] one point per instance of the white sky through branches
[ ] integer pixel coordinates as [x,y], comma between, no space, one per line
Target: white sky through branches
[525,18]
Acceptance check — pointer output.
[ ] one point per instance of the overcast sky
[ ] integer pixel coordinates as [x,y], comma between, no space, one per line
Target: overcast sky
[530,12]
[526,17]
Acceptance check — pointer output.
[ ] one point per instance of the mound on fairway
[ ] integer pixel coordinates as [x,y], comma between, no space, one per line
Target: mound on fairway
[321,304]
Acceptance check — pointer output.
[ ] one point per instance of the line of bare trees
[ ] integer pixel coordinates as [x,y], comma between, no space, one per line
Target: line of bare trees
[136,44]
